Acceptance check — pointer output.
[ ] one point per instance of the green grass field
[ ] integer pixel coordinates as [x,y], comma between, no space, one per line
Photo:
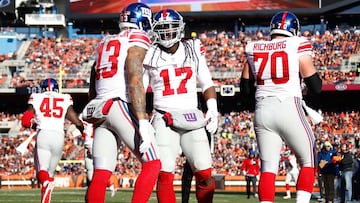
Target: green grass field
[122,196]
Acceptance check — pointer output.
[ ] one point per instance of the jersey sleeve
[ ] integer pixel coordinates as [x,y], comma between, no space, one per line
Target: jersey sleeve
[203,75]
[139,38]
[68,99]
[305,47]
[31,99]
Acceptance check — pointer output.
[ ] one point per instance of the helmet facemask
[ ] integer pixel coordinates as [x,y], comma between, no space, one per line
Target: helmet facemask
[168,33]
[168,28]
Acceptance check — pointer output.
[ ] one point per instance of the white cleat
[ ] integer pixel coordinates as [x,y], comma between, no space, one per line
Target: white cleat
[287,197]
[113,191]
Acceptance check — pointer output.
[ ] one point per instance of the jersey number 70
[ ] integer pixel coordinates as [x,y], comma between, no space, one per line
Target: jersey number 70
[274,57]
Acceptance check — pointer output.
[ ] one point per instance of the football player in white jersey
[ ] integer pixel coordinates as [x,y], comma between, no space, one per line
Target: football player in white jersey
[173,66]
[48,111]
[292,171]
[277,67]
[117,105]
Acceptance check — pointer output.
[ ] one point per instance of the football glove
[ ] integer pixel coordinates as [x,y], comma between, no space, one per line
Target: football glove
[146,132]
[211,116]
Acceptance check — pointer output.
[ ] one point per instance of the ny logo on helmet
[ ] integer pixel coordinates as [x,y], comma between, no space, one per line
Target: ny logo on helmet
[146,12]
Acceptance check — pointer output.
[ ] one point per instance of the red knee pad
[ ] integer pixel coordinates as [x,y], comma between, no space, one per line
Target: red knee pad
[205,186]
[43,176]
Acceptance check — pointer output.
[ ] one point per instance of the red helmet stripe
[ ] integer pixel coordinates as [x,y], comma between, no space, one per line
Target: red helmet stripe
[164,14]
[283,19]
[49,84]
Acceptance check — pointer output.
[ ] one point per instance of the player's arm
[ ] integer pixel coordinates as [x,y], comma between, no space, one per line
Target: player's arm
[311,79]
[134,69]
[246,81]
[92,91]
[310,75]
[74,118]
[28,116]
[210,93]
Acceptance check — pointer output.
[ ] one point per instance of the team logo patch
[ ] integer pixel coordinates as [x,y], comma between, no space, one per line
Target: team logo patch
[89,111]
[190,117]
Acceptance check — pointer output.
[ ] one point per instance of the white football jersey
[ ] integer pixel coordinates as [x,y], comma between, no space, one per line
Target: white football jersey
[110,63]
[275,65]
[174,77]
[50,109]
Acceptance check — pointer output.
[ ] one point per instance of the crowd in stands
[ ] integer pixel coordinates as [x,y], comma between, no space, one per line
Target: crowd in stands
[233,140]
[224,54]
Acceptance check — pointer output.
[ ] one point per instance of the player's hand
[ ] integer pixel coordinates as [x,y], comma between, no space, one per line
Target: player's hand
[146,132]
[211,121]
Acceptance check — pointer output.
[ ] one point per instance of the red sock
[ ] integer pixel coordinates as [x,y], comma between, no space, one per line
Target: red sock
[287,186]
[165,190]
[43,176]
[97,189]
[306,179]
[205,186]
[146,180]
[267,187]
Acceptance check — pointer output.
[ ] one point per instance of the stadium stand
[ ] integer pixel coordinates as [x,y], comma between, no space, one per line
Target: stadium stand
[336,55]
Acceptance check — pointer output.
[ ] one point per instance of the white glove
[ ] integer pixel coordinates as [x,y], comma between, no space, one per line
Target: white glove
[211,116]
[146,132]
[315,117]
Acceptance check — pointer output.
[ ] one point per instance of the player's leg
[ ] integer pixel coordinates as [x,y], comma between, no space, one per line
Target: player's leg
[269,144]
[186,179]
[168,142]
[301,132]
[104,157]
[125,125]
[89,166]
[57,147]
[287,185]
[195,146]
[48,153]
[111,186]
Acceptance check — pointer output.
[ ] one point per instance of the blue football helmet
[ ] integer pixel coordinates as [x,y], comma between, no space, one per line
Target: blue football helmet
[285,23]
[168,27]
[49,84]
[136,15]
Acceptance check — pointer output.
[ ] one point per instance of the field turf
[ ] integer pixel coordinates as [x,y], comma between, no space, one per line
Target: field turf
[122,196]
